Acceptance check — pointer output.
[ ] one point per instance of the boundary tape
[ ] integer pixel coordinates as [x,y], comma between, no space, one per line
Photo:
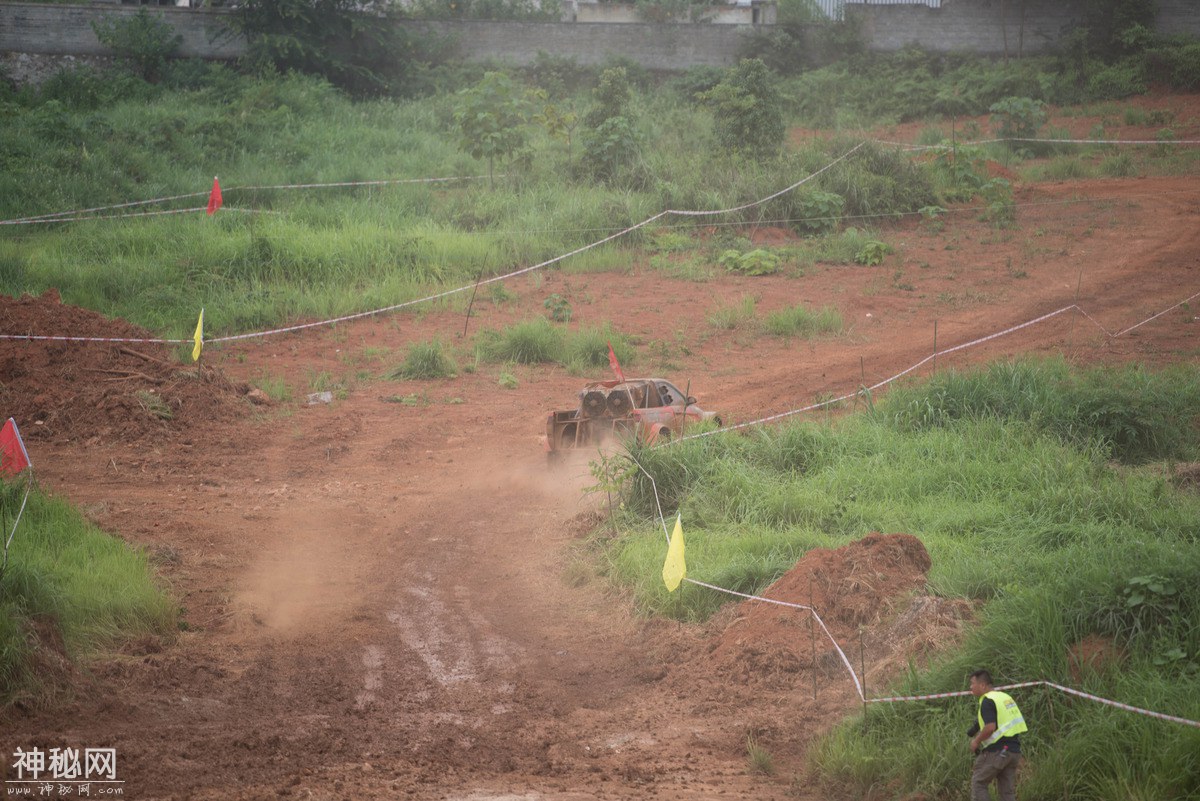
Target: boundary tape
[61,216]
[929,358]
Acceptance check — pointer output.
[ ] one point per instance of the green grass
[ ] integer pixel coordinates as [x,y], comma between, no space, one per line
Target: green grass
[425,360]
[540,341]
[735,316]
[1030,504]
[799,321]
[67,579]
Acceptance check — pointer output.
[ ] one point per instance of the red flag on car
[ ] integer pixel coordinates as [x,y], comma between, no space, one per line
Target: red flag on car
[13,456]
[214,198]
[614,364]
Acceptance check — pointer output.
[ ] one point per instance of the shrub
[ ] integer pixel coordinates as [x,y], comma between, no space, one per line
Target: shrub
[530,342]
[425,360]
[143,41]
[1018,117]
[754,262]
[797,321]
[492,118]
[747,109]
[817,211]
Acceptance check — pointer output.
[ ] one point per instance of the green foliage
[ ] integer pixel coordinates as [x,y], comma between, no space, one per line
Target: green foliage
[610,140]
[1018,117]
[530,342]
[872,253]
[65,578]
[611,98]
[1136,414]
[753,262]
[558,307]
[425,360]
[356,47]
[798,321]
[817,211]
[492,118]
[747,109]
[143,41]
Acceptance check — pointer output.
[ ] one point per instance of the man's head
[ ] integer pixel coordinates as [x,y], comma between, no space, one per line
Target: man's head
[981,682]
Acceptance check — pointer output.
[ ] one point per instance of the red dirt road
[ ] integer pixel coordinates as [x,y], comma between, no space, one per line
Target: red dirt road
[377,594]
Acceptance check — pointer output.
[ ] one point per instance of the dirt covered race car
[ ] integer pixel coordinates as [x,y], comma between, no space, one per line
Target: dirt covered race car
[652,409]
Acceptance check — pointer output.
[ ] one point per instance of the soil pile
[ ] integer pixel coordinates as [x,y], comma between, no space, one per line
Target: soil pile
[100,391]
[869,585]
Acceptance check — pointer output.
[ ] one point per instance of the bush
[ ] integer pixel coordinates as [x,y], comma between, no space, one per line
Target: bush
[143,41]
[425,360]
[1018,117]
[747,109]
[753,262]
[530,342]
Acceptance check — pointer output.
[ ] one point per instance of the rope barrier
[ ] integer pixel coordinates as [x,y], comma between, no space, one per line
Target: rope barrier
[57,215]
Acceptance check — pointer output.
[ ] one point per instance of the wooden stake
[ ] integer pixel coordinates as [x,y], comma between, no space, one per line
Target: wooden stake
[1074,314]
[935,346]
[471,304]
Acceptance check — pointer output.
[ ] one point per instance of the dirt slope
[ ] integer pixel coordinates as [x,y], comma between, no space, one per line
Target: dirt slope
[374,591]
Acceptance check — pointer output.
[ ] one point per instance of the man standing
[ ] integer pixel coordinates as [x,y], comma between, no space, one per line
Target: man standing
[995,740]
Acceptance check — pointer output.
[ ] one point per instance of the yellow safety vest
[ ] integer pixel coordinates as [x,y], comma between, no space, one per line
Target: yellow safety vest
[1009,721]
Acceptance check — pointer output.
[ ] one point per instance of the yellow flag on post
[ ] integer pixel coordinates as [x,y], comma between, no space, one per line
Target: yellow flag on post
[199,337]
[675,568]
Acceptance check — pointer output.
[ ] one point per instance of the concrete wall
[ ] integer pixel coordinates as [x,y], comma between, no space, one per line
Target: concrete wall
[991,27]
[657,46]
[959,25]
[67,30]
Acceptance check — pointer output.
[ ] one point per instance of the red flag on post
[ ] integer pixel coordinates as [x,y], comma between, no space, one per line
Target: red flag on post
[614,364]
[214,198]
[13,456]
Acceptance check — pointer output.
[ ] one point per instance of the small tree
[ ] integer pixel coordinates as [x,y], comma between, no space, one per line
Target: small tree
[748,109]
[610,140]
[492,119]
[143,41]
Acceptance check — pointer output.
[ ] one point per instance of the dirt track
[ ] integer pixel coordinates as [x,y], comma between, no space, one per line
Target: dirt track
[375,591]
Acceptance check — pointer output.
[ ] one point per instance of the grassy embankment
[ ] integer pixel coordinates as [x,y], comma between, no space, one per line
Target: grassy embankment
[69,591]
[1042,494]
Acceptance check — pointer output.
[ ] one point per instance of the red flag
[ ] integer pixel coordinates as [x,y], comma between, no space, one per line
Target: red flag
[614,364]
[13,456]
[214,198]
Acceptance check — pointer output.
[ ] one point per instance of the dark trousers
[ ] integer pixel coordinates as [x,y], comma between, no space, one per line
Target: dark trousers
[999,767]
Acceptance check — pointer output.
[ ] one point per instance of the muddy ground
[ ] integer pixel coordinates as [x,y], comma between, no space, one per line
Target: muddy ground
[387,599]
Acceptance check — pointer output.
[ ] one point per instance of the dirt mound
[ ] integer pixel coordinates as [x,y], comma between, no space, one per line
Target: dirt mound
[100,391]
[857,585]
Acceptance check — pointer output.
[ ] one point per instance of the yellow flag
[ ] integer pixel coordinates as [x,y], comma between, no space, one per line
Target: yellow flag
[675,569]
[199,337]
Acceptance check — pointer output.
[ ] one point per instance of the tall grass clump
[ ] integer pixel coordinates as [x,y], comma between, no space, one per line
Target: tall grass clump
[798,321]
[66,579]
[529,342]
[1137,414]
[1050,540]
[425,360]
[586,350]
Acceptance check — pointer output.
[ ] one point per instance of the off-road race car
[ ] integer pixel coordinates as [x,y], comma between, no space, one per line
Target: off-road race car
[652,409]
